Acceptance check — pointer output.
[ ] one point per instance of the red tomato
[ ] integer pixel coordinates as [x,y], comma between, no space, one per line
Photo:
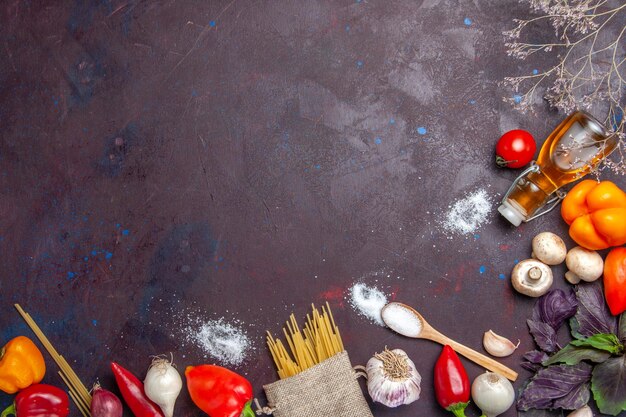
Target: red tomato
[615,280]
[515,149]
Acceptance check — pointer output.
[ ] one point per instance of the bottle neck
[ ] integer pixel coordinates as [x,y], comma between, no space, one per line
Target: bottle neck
[529,194]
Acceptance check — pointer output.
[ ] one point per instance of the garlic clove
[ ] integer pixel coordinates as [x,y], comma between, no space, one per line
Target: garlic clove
[581,412]
[497,345]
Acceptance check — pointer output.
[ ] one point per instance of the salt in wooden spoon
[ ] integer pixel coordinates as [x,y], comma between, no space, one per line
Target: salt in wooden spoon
[405,320]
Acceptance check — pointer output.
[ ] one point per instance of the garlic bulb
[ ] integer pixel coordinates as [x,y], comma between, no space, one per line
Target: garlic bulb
[392,379]
[497,345]
[581,412]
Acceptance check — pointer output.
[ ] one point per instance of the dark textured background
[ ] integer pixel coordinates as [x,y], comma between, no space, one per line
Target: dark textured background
[242,159]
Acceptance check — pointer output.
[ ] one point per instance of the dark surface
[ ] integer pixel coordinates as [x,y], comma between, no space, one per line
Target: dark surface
[243,159]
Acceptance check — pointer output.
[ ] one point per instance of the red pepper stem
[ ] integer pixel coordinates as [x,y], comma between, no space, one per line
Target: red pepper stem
[246,412]
[458,409]
[9,411]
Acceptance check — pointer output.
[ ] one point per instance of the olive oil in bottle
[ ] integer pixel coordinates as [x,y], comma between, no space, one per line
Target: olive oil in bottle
[571,151]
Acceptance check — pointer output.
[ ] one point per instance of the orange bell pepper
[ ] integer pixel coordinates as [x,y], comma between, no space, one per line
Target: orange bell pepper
[615,280]
[596,213]
[21,365]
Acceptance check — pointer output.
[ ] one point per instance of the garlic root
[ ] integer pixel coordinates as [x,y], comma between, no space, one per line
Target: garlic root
[497,345]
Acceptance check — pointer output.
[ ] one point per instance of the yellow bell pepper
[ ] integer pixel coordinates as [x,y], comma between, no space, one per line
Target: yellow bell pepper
[21,365]
[596,213]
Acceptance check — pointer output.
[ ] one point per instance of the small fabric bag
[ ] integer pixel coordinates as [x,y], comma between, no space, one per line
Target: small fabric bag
[327,389]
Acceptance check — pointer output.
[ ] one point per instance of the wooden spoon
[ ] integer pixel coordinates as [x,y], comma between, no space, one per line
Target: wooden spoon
[405,320]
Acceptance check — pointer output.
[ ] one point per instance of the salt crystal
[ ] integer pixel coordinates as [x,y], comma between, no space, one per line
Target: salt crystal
[223,341]
[368,301]
[468,214]
[402,320]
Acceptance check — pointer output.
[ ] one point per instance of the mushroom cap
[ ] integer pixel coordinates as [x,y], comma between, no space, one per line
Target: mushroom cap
[531,277]
[586,264]
[549,248]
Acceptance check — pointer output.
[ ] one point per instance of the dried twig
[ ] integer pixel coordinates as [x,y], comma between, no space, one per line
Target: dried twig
[589,74]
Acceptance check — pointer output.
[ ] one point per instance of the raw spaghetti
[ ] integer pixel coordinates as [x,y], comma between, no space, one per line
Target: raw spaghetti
[77,390]
[318,341]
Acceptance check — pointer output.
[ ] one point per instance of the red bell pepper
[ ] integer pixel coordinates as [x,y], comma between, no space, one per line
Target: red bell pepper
[219,392]
[133,393]
[39,400]
[452,386]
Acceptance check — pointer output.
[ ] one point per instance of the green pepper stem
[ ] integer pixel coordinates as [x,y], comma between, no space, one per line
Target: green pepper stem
[246,412]
[458,409]
[459,413]
[10,410]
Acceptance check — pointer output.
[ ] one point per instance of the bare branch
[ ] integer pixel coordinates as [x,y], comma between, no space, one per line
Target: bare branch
[590,73]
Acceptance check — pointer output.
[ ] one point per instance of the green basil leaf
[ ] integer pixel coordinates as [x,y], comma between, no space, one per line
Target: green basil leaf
[608,384]
[603,341]
[572,355]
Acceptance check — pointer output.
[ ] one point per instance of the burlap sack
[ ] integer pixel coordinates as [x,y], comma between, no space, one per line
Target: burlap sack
[328,389]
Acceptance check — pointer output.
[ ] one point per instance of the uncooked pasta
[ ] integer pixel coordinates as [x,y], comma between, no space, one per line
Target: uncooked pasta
[318,341]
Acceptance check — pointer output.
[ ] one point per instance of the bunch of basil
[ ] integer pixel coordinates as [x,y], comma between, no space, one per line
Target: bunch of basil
[596,357]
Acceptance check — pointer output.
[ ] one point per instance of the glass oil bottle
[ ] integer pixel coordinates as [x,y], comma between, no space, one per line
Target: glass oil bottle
[571,151]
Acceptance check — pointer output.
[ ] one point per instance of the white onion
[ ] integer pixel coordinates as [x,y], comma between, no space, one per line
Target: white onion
[492,393]
[163,384]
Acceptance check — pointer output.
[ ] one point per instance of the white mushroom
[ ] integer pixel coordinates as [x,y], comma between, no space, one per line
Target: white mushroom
[549,248]
[583,265]
[531,277]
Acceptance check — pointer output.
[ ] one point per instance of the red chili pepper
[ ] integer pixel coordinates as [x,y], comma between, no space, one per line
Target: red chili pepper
[219,392]
[133,393]
[39,400]
[452,386]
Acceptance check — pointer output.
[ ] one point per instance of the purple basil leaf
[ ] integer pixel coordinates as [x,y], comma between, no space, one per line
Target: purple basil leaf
[577,398]
[555,307]
[541,413]
[559,386]
[529,366]
[532,360]
[593,315]
[621,333]
[608,384]
[544,335]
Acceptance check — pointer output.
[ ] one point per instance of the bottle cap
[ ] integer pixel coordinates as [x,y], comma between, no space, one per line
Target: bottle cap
[511,213]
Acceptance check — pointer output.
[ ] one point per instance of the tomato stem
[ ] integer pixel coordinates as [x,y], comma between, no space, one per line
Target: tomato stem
[502,163]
